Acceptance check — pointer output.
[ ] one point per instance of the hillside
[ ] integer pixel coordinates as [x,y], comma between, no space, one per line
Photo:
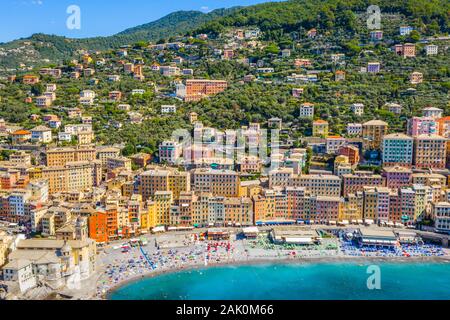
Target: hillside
[41,49]
[275,18]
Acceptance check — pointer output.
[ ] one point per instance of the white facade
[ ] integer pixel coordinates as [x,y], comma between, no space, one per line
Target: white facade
[431,49]
[307,111]
[168,109]
[170,151]
[334,143]
[42,134]
[20,271]
[442,216]
[354,129]
[64,136]
[357,109]
[432,112]
[17,202]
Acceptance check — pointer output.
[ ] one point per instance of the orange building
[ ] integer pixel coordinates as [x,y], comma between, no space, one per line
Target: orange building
[197,89]
[20,136]
[444,127]
[352,152]
[98,230]
[111,222]
[30,79]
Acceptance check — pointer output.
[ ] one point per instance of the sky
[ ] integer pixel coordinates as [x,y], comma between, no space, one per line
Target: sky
[22,18]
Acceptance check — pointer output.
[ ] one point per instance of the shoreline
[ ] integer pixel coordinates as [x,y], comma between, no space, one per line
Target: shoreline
[276,261]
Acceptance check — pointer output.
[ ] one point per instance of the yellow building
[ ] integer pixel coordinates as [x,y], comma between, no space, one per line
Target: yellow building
[353,207]
[238,211]
[61,156]
[264,206]
[163,202]
[201,209]
[104,153]
[320,128]
[156,180]
[85,138]
[74,176]
[224,183]
[373,133]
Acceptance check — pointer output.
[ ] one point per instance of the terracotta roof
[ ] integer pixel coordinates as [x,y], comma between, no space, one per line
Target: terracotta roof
[21,133]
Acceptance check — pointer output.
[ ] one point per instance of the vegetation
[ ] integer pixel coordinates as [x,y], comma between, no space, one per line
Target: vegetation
[341,27]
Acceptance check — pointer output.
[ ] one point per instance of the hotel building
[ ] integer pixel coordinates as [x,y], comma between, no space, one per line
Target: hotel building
[397,150]
[430,151]
[373,134]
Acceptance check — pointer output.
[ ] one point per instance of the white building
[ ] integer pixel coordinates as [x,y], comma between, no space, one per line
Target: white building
[431,49]
[251,34]
[280,177]
[170,151]
[354,129]
[20,271]
[405,30]
[137,91]
[432,112]
[17,202]
[41,134]
[87,94]
[168,109]
[441,212]
[307,110]
[64,136]
[357,109]
[51,87]
[78,128]
[394,108]
[334,143]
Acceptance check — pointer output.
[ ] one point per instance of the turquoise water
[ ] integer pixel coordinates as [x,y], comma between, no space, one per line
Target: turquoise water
[342,281]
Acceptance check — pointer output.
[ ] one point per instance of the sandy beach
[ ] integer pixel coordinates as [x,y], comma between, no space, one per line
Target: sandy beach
[310,260]
[175,252]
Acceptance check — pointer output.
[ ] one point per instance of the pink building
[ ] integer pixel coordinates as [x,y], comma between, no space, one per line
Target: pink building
[422,125]
[397,177]
[326,208]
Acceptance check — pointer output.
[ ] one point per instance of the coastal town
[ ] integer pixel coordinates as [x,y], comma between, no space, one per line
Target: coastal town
[115,164]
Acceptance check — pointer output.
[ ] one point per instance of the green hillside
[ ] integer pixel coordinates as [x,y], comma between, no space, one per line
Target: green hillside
[41,49]
[428,16]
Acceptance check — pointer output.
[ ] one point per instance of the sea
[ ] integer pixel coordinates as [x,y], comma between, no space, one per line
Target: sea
[321,281]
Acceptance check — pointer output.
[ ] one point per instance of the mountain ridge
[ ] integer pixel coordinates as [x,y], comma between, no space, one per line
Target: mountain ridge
[275,19]
[40,48]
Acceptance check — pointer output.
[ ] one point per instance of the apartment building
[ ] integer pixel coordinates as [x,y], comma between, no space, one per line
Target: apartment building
[158,179]
[61,156]
[430,151]
[373,134]
[197,89]
[422,125]
[397,150]
[355,182]
[224,183]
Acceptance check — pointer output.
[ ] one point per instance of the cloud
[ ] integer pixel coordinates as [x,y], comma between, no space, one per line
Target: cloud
[205,9]
[37,2]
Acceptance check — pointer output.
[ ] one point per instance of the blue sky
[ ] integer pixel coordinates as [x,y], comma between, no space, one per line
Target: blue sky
[22,18]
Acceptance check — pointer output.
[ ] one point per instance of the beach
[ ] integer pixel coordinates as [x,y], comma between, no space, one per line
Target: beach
[174,252]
